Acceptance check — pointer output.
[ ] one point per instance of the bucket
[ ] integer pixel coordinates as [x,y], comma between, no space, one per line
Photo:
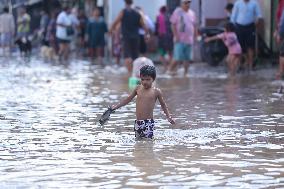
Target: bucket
[133,82]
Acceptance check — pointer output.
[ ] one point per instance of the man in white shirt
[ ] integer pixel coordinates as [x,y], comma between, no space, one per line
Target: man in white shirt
[7,30]
[64,32]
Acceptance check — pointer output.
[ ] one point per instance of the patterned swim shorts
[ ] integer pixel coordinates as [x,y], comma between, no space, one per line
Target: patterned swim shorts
[144,128]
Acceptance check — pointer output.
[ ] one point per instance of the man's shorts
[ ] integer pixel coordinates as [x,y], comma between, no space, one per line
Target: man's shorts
[144,128]
[6,39]
[131,47]
[182,52]
[246,36]
[64,41]
[165,43]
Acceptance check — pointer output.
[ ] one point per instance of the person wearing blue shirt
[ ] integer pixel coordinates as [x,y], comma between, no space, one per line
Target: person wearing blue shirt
[246,15]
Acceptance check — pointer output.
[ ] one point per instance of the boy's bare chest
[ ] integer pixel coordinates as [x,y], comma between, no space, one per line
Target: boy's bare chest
[146,96]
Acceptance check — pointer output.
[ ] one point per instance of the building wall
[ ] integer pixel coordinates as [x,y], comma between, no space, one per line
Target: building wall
[213,10]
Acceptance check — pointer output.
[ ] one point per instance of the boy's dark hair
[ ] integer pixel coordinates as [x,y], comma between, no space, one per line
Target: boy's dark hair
[128,2]
[230,27]
[229,7]
[148,70]
[6,9]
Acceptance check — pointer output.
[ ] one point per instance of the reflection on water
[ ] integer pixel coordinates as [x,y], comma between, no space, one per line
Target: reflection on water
[229,132]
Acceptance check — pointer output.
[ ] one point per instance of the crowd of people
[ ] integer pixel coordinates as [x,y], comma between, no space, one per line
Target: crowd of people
[132,29]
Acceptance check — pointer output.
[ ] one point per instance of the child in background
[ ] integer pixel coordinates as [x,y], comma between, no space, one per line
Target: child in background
[117,43]
[147,96]
[165,37]
[96,30]
[230,39]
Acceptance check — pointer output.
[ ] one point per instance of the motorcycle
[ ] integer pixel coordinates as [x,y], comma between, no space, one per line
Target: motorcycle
[215,51]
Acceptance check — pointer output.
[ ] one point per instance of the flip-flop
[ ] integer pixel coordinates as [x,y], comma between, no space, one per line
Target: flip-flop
[105,117]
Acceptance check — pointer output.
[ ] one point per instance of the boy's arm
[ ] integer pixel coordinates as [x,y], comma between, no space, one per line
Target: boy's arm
[126,100]
[165,107]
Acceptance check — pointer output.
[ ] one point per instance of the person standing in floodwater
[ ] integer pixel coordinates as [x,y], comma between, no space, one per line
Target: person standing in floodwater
[184,31]
[83,20]
[116,40]
[23,23]
[246,15]
[96,30]
[51,32]
[63,24]
[130,21]
[147,96]
[165,37]
[7,30]
[151,28]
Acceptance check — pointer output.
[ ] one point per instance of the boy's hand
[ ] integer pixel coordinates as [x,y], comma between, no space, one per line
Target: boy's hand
[206,40]
[170,119]
[112,107]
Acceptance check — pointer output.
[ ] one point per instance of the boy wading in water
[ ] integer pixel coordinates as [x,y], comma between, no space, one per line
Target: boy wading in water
[147,95]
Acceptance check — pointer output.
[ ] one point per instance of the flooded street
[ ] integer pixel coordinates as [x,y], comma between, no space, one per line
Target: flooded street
[229,132]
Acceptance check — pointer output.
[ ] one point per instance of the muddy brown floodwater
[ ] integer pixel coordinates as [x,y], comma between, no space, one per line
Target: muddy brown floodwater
[229,132]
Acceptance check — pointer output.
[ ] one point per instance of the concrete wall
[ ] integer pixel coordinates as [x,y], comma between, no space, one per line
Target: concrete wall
[213,9]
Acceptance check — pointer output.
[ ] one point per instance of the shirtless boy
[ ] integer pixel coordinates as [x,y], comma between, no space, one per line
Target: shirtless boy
[147,95]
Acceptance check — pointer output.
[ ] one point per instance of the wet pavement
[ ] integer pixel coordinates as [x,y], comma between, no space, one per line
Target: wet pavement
[229,132]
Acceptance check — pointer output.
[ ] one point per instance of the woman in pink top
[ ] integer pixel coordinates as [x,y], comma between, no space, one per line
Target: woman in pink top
[165,37]
[230,39]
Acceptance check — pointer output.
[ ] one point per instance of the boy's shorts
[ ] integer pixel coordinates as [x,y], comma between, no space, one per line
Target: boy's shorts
[144,128]
[182,52]
[131,48]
